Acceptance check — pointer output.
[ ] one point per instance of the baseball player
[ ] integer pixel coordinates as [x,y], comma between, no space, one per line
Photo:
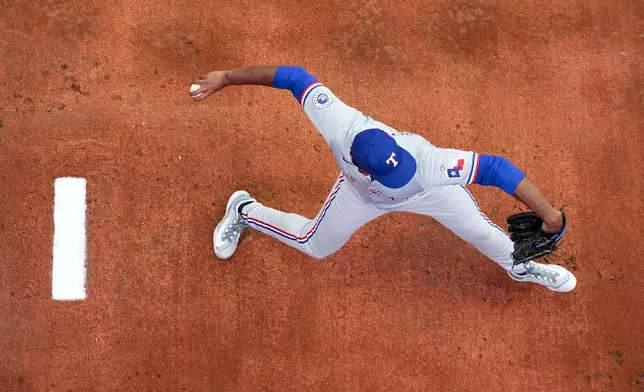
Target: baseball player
[383,170]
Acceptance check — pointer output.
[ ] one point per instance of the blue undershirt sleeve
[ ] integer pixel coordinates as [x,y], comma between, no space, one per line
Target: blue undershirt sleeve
[295,79]
[498,171]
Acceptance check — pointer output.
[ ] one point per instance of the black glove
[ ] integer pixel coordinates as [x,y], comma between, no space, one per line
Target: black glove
[530,242]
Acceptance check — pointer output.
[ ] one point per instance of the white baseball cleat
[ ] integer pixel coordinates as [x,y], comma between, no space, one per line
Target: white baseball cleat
[553,276]
[227,233]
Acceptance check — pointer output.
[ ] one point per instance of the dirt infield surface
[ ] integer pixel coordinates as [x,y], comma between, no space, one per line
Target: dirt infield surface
[99,90]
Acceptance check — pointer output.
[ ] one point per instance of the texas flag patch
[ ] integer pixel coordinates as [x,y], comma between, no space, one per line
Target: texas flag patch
[456,170]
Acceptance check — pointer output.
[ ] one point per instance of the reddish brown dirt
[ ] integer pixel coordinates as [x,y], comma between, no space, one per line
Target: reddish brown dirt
[100,91]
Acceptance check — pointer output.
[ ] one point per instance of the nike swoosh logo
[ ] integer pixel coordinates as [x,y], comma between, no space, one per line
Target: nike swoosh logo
[350,163]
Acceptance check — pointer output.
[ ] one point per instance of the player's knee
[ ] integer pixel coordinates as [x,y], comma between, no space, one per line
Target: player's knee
[321,253]
[317,256]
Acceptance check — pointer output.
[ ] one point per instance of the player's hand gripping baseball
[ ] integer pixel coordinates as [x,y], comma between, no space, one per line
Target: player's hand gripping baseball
[214,81]
[208,84]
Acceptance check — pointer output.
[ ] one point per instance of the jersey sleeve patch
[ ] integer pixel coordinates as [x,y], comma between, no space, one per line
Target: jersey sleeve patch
[457,168]
[305,94]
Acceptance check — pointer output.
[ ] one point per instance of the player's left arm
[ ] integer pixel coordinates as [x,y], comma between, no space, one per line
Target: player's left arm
[456,167]
[500,172]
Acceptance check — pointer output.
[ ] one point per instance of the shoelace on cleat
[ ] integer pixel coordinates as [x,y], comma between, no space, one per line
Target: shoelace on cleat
[234,229]
[541,273]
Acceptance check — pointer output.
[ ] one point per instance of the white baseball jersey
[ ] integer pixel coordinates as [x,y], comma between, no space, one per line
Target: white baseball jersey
[339,123]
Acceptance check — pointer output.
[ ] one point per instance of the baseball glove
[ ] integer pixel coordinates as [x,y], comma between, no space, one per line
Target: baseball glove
[530,242]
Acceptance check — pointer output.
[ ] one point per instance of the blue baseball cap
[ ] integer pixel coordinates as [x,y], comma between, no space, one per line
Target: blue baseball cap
[374,151]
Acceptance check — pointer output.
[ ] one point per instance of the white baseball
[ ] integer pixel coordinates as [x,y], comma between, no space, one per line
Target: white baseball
[195,87]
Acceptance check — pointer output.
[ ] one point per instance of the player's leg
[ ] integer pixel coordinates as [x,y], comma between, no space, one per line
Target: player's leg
[342,213]
[455,208]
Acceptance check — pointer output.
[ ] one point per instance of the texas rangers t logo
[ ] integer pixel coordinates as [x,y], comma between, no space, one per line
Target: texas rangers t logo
[456,170]
[392,160]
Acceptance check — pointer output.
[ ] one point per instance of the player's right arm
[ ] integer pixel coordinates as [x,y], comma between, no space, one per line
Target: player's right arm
[328,113]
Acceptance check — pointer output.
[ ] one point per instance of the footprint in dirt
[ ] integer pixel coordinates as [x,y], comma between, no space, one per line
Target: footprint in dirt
[466,28]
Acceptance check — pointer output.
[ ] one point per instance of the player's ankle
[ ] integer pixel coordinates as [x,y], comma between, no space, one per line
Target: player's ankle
[241,206]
